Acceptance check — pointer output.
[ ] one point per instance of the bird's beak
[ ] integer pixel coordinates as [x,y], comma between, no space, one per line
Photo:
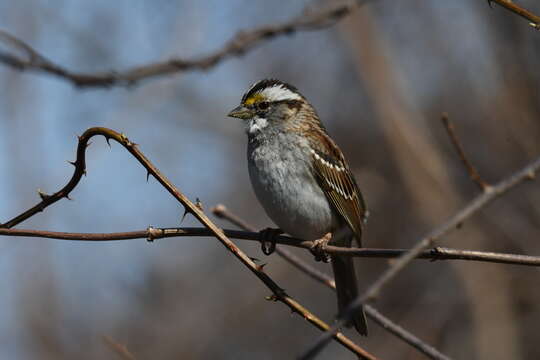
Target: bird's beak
[241,112]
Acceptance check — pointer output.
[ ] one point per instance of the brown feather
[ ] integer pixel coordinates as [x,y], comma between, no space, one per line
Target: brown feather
[338,183]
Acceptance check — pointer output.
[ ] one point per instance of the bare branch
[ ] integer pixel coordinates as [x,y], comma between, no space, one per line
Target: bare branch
[242,42]
[509,5]
[151,234]
[119,349]
[403,334]
[527,173]
[239,44]
[222,212]
[278,293]
[473,173]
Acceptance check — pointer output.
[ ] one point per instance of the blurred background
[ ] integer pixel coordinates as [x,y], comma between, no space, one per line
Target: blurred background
[380,80]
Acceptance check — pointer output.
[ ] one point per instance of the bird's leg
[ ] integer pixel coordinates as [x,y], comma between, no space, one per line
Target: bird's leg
[318,249]
[267,238]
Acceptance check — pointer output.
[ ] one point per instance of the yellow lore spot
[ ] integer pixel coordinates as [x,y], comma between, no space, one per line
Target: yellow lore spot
[253,99]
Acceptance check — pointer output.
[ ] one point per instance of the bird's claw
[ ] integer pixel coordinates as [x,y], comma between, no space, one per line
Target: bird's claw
[318,249]
[268,239]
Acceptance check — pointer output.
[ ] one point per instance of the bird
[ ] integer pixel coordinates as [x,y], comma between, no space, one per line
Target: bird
[301,178]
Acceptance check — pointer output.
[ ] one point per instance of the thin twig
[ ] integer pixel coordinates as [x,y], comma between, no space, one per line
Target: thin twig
[238,45]
[221,211]
[403,334]
[526,173]
[509,5]
[151,234]
[120,349]
[80,168]
[473,173]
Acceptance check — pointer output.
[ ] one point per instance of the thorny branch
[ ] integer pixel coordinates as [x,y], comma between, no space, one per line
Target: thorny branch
[80,167]
[151,234]
[222,212]
[490,194]
[242,42]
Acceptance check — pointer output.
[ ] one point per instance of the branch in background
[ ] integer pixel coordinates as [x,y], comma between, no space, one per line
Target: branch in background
[151,234]
[533,19]
[121,350]
[80,168]
[473,173]
[222,212]
[242,42]
[490,194]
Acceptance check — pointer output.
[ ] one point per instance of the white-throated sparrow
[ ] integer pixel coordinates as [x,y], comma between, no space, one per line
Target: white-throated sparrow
[301,177]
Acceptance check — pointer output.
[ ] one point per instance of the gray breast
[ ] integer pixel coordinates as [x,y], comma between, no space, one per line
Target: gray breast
[281,176]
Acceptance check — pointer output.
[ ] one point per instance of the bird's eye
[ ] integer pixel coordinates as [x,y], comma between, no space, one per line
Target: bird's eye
[263,105]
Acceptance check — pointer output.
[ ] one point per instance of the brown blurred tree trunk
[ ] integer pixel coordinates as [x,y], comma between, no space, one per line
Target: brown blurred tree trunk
[424,169]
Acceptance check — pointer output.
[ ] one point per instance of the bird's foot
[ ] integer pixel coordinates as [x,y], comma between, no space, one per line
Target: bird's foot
[267,238]
[318,249]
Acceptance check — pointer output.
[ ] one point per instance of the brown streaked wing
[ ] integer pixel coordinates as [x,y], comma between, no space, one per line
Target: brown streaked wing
[339,186]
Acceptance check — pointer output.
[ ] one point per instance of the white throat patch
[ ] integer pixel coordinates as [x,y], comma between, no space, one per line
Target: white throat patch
[256,125]
[279,92]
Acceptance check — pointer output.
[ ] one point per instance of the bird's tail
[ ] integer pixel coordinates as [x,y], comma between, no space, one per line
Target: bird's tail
[347,291]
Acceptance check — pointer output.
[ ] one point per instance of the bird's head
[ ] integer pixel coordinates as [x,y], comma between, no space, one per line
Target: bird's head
[268,102]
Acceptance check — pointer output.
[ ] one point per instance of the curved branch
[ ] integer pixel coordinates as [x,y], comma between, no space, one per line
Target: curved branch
[80,168]
[238,45]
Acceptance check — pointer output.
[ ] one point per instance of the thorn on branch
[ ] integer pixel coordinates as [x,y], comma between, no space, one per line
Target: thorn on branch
[43,195]
[261,267]
[68,197]
[186,211]
[72,163]
[108,140]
